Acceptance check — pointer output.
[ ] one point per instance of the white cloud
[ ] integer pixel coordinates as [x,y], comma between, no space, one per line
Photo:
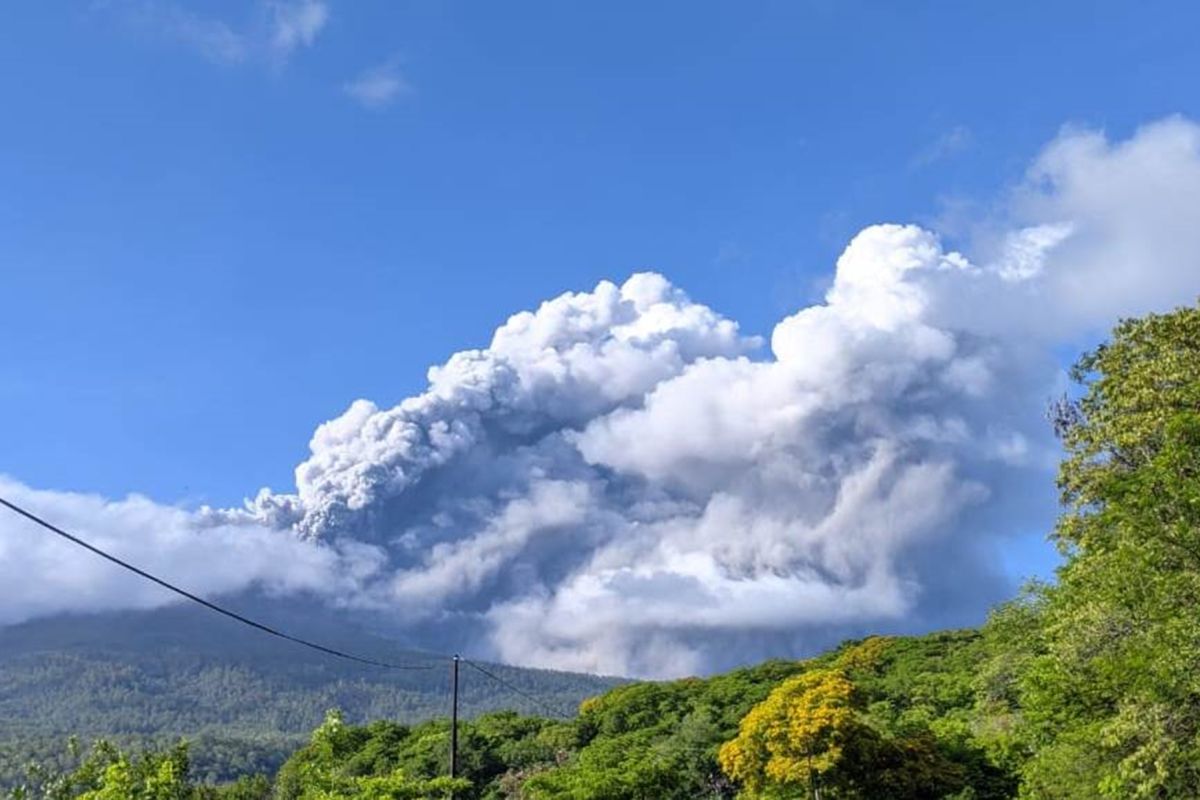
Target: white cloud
[271,34]
[1133,205]
[1025,250]
[295,23]
[621,481]
[378,87]
[43,574]
[213,39]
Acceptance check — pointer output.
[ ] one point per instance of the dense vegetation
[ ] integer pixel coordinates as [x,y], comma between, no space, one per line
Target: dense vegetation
[1086,688]
[1102,666]
[644,740]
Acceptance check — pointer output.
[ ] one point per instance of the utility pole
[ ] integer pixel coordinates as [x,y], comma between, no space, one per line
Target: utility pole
[454,718]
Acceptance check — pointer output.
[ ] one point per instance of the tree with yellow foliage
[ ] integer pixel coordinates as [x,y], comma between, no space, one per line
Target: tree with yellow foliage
[800,736]
[811,737]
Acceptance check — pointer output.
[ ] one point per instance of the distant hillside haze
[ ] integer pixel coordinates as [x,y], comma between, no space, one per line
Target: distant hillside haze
[154,676]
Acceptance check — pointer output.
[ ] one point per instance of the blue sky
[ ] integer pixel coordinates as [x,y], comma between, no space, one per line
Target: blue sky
[222,222]
[205,253]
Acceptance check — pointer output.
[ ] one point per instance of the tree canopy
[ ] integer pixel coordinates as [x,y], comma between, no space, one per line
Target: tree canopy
[1111,695]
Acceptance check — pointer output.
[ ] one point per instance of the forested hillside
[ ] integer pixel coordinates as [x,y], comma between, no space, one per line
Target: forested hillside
[245,700]
[658,740]
[1084,688]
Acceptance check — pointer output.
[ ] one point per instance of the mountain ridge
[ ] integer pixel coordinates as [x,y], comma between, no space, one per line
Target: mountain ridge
[178,671]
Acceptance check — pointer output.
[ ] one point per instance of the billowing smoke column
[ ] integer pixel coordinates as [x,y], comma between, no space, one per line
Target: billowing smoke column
[623,482]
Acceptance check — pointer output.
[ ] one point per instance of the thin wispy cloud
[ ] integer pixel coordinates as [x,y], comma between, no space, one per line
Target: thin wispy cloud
[379,86]
[211,38]
[950,143]
[271,32]
[295,24]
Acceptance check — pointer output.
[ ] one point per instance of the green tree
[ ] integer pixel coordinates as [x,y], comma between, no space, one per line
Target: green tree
[154,777]
[107,773]
[1111,701]
[345,763]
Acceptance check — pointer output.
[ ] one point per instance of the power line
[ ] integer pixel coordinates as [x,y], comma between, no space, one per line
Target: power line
[553,712]
[29,515]
[261,626]
[206,603]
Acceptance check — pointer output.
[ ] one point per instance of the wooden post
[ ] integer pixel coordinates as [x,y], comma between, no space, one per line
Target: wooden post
[454,718]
